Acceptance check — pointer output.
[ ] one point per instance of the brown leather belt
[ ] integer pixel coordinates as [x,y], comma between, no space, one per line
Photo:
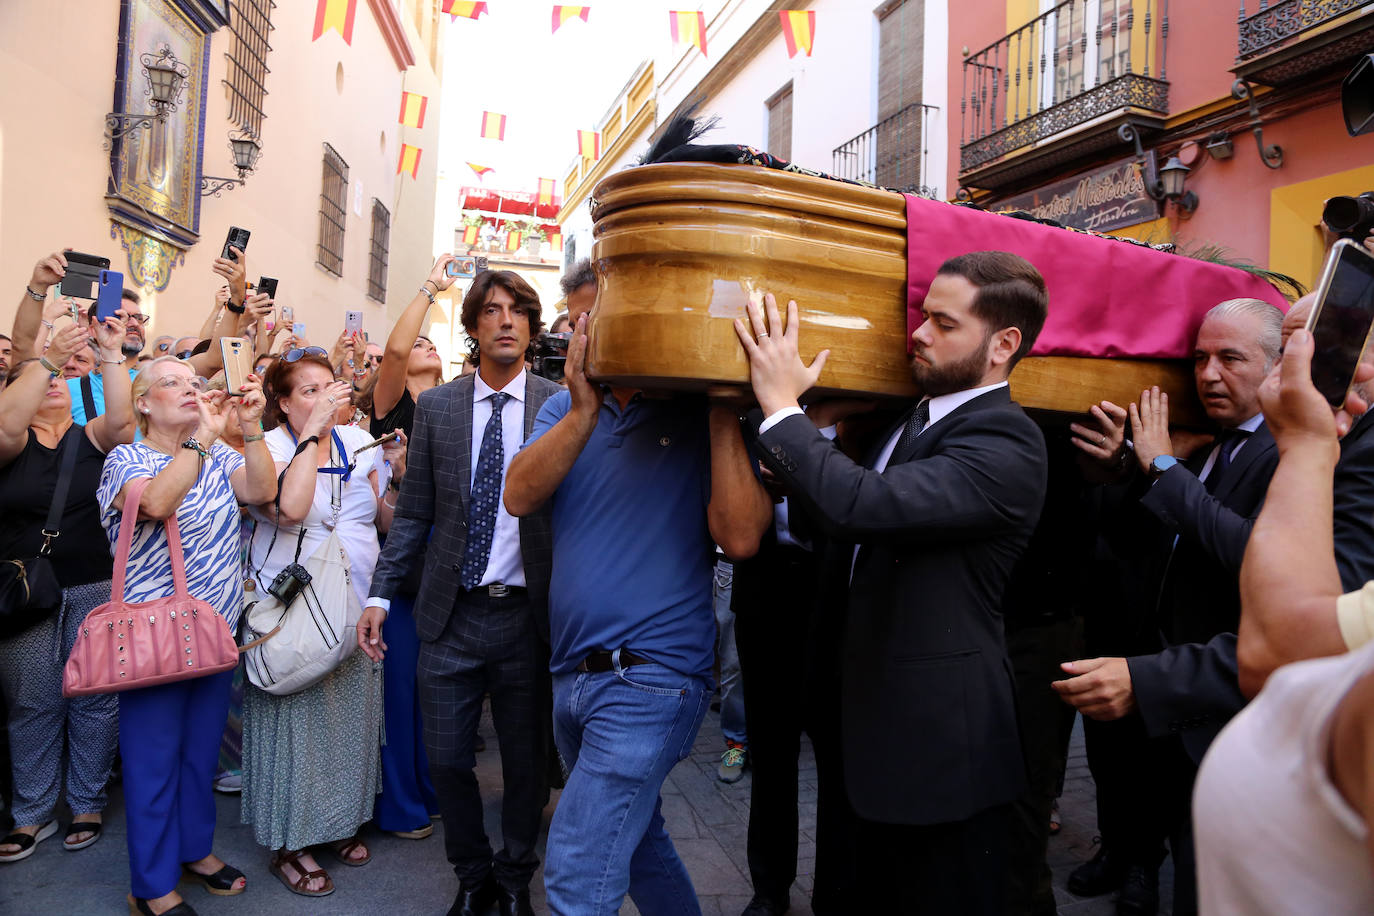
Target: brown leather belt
[601,662]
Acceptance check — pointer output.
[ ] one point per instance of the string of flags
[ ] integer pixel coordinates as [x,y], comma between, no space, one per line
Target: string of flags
[688,28]
[463,9]
[562,14]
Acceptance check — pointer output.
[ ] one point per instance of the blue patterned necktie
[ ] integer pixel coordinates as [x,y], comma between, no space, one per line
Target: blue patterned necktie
[486,493]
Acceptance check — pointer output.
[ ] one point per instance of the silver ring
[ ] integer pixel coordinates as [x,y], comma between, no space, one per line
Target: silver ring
[1101,440]
[331,400]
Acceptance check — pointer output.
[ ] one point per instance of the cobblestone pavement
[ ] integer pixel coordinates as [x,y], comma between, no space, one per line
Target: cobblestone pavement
[706,818]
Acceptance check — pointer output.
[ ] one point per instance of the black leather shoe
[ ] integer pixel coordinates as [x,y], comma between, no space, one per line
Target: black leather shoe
[763,906]
[514,903]
[1139,892]
[475,899]
[1101,874]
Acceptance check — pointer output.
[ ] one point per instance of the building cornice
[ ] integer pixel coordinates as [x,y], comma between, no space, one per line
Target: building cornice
[393,32]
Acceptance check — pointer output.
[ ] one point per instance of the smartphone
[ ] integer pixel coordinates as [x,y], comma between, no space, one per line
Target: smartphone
[353,321]
[108,300]
[237,353]
[479,265]
[267,285]
[1341,319]
[298,329]
[82,277]
[269,323]
[237,238]
[288,314]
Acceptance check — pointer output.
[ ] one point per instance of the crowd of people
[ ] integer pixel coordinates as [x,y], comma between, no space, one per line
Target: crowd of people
[929,593]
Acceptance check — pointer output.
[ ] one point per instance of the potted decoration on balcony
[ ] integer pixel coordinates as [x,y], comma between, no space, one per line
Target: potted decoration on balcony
[533,235]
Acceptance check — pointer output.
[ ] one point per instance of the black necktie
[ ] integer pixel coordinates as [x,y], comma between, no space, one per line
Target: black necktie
[920,416]
[486,492]
[1227,443]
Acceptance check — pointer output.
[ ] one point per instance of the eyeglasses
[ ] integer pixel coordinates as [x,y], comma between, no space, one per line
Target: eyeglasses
[173,382]
[296,353]
[184,354]
[139,317]
[164,347]
[374,359]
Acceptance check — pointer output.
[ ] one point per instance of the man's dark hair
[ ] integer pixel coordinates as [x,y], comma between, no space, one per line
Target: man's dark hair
[6,337]
[1011,293]
[131,295]
[480,293]
[578,276]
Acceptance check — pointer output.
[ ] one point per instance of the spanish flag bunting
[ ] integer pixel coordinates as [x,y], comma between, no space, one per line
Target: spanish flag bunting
[513,238]
[799,29]
[556,241]
[470,234]
[589,144]
[546,186]
[481,170]
[689,28]
[463,9]
[409,160]
[413,107]
[337,15]
[493,125]
[562,14]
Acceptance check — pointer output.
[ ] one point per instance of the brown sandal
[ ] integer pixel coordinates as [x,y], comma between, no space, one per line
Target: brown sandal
[302,884]
[344,849]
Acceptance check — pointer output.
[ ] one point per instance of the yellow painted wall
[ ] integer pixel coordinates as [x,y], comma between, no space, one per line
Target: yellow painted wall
[1295,239]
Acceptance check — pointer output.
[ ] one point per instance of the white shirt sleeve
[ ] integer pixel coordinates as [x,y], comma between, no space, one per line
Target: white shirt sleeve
[776,418]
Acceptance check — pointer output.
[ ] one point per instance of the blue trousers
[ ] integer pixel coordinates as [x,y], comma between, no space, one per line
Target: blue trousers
[407,799]
[169,738]
[620,732]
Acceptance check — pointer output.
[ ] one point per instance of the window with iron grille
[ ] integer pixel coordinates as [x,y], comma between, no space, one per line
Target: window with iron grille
[333,201]
[251,24]
[381,242]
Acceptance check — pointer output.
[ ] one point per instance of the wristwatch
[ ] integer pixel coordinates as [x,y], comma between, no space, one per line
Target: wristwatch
[1161,464]
[194,445]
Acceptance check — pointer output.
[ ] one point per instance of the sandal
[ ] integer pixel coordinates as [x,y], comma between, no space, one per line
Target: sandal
[419,833]
[301,884]
[221,883]
[91,827]
[27,842]
[140,907]
[344,849]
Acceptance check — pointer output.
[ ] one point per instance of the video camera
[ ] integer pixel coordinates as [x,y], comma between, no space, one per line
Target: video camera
[550,355]
[1350,217]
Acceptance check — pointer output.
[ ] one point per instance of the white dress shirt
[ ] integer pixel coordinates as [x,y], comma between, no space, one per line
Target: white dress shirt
[504,564]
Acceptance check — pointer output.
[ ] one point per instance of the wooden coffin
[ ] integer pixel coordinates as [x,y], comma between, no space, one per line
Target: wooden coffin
[680,247]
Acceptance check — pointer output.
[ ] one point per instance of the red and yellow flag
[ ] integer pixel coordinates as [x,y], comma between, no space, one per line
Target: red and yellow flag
[513,239]
[464,9]
[589,144]
[413,107]
[562,14]
[556,241]
[337,15]
[470,234]
[481,170]
[546,188]
[689,28]
[799,29]
[409,160]
[493,125]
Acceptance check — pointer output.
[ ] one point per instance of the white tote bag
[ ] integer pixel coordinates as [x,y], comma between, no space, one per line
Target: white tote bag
[288,648]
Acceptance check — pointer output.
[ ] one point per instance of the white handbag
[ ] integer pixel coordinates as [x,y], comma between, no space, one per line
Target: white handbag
[288,647]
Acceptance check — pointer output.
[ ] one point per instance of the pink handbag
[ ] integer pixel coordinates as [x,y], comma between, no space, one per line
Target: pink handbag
[124,646]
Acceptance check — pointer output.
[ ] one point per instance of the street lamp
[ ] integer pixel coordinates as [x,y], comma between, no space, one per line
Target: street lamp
[246,149]
[166,78]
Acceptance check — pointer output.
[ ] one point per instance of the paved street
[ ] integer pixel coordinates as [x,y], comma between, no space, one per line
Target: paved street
[707,820]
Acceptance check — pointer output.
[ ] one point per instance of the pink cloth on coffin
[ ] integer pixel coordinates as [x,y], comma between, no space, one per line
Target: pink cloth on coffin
[1107,298]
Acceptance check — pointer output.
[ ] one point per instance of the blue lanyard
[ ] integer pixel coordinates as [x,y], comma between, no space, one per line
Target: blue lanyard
[344,472]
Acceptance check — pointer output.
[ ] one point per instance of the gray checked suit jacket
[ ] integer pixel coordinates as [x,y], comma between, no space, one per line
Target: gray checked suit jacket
[435,494]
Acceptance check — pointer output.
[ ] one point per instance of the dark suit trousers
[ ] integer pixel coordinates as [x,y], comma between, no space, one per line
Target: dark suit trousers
[490,646]
[935,869]
[789,666]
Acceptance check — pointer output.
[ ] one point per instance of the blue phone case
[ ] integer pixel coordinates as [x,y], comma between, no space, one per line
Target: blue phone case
[111,290]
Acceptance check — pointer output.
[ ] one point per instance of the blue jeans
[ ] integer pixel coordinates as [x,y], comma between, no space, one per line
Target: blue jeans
[620,733]
[731,687]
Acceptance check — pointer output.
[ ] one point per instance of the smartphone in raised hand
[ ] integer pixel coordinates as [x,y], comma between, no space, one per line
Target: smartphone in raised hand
[237,238]
[353,321]
[1341,319]
[237,353]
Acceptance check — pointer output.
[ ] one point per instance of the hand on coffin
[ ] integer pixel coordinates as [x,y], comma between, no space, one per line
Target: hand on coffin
[776,370]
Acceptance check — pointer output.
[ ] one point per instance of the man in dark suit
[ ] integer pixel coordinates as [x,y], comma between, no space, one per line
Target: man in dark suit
[926,533]
[1196,520]
[482,608]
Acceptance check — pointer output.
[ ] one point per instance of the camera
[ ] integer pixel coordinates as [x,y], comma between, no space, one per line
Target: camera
[550,355]
[1350,217]
[289,583]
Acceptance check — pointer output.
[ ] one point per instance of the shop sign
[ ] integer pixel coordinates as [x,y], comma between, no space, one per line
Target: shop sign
[1107,198]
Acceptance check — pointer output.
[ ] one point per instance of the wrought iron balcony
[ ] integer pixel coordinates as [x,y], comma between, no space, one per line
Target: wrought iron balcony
[1098,62]
[892,153]
[1290,40]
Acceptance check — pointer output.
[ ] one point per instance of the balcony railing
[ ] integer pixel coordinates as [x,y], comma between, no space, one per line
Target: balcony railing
[892,153]
[1078,61]
[1274,24]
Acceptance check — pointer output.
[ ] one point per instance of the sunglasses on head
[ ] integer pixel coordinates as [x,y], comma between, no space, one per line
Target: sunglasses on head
[184,354]
[296,353]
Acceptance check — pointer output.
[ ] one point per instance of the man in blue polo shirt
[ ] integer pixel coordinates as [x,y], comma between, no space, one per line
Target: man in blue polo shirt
[641,490]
